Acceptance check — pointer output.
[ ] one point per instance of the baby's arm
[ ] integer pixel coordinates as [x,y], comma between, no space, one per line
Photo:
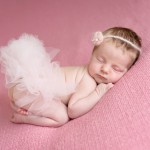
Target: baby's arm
[85,98]
[102,88]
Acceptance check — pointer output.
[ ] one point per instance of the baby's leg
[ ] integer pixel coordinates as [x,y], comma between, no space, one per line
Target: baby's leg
[55,116]
[34,120]
[56,111]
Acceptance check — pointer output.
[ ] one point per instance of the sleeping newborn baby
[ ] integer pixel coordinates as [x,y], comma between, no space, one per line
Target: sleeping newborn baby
[45,94]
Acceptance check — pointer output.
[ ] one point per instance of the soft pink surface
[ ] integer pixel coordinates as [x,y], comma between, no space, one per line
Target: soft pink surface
[121,120]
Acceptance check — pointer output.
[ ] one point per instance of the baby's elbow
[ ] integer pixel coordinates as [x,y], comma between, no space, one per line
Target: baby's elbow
[73,112]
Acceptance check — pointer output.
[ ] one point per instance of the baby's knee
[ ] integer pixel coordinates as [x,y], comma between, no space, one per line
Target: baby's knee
[57,122]
[62,119]
[60,114]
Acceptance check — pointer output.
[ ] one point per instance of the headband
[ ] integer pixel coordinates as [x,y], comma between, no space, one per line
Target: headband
[99,37]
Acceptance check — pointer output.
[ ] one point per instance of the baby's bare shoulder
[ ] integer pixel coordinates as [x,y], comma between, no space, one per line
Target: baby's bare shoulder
[86,85]
[88,80]
[74,73]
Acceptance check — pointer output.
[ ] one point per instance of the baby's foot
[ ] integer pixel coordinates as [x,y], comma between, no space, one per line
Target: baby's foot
[22,111]
[17,118]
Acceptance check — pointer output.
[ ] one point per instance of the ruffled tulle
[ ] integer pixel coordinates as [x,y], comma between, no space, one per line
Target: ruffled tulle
[28,66]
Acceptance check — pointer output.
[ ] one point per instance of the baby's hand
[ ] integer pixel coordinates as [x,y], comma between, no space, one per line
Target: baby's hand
[102,88]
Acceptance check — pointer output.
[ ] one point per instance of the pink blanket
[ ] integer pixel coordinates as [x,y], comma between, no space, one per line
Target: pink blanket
[121,120]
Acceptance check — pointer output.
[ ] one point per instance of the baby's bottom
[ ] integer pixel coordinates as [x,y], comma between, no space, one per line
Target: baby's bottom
[54,115]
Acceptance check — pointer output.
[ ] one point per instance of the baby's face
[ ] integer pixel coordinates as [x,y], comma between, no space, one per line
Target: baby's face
[108,63]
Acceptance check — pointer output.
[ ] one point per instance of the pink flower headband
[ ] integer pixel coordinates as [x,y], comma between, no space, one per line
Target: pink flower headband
[99,37]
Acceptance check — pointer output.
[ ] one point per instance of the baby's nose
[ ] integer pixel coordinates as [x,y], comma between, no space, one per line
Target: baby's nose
[105,69]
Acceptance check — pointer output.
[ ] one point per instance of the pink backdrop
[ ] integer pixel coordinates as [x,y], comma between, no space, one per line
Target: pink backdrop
[121,119]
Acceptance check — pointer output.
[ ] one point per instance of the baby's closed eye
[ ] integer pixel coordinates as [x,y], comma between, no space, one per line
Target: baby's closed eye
[101,60]
[118,69]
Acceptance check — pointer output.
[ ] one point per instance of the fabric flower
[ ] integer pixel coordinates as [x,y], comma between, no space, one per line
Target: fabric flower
[97,38]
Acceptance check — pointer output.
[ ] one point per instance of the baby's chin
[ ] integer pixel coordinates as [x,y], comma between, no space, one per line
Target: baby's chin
[99,82]
[105,82]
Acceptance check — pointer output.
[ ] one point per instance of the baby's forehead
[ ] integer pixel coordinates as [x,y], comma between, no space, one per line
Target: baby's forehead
[114,42]
[111,52]
[120,47]
[110,47]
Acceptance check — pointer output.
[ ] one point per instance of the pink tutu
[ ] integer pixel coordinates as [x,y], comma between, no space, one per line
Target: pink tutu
[28,66]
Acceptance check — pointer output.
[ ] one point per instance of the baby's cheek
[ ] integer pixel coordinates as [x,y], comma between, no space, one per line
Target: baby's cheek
[92,69]
[115,78]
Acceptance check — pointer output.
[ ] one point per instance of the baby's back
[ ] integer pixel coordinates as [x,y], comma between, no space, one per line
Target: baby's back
[74,74]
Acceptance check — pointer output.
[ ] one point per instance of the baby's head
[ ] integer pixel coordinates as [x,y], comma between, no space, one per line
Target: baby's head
[115,51]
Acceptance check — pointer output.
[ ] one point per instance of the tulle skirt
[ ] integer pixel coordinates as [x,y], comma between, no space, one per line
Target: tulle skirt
[29,67]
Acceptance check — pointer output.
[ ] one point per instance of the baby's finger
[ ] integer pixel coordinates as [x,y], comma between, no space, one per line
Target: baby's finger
[110,85]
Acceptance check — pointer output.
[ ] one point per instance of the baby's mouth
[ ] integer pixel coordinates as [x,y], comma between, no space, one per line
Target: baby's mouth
[101,77]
